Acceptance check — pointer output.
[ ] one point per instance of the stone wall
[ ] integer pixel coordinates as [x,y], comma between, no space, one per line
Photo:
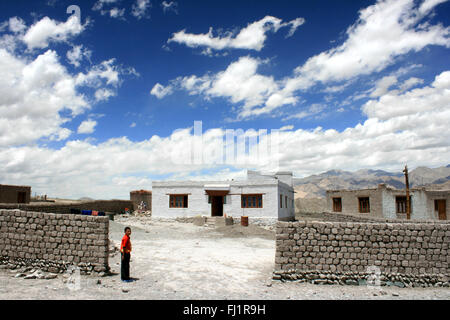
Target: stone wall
[116,206]
[53,242]
[341,252]
[307,205]
[349,217]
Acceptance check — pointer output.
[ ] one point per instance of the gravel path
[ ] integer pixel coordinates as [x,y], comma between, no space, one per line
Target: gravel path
[174,260]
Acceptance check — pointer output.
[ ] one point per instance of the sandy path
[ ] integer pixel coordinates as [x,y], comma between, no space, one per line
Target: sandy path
[199,262]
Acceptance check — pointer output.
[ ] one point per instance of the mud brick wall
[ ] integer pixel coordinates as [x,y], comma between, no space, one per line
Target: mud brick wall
[53,242]
[116,206]
[9,194]
[341,252]
[136,197]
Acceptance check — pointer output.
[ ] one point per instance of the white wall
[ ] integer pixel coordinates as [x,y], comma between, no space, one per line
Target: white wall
[269,208]
[418,204]
[285,177]
[289,211]
[197,202]
[431,196]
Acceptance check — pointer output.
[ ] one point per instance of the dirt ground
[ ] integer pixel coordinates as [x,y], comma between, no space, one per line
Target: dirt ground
[175,260]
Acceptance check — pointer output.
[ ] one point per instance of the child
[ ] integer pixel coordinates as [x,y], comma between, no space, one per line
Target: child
[125,249]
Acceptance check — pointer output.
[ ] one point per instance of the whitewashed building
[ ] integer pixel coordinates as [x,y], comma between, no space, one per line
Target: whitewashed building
[387,202]
[259,196]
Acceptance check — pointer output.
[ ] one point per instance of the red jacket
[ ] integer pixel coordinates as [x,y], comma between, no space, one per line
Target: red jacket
[126,244]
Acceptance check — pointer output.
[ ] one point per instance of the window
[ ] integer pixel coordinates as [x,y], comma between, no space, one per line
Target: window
[364,205]
[251,201]
[281,201]
[285,202]
[178,201]
[337,204]
[400,203]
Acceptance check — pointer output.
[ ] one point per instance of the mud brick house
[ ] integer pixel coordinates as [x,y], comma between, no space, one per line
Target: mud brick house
[139,196]
[386,202]
[14,194]
[259,196]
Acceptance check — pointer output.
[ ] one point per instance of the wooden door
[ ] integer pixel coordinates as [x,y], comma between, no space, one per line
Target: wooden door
[216,206]
[441,209]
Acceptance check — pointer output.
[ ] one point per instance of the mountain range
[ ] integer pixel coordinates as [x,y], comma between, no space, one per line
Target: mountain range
[315,186]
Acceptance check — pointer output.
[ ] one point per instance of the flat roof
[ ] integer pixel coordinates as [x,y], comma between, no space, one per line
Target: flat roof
[388,188]
[10,185]
[141,191]
[202,184]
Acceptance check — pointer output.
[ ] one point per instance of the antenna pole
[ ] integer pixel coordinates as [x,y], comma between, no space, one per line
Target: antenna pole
[408,204]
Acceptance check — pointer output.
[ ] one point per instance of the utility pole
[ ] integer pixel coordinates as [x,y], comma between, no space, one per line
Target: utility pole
[408,205]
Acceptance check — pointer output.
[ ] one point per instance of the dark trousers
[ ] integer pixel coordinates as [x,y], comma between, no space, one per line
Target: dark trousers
[125,267]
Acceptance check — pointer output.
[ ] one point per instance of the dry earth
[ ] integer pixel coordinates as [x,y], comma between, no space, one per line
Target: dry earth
[175,260]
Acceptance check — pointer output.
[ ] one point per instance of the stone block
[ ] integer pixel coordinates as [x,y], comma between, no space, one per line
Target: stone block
[282,236]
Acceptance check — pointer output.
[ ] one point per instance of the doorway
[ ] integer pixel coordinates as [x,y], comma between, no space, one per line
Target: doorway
[21,197]
[217,206]
[440,207]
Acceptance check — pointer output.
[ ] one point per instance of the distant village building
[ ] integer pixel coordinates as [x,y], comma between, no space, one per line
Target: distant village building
[390,203]
[259,196]
[141,197]
[14,194]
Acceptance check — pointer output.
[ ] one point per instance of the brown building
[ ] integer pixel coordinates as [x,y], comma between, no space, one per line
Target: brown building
[14,194]
[139,196]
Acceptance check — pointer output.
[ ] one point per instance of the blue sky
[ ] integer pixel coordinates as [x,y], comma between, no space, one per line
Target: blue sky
[106,104]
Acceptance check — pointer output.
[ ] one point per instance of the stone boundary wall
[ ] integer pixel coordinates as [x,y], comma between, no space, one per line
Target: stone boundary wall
[116,206]
[413,254]
[53,242]
[348,217]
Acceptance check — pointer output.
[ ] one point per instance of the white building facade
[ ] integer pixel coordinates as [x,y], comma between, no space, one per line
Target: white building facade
[390,203]
[259,196]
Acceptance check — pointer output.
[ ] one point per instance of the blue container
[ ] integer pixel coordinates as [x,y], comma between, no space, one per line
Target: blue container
[86,212]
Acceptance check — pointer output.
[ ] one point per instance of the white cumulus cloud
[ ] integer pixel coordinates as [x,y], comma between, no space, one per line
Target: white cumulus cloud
[32,95]
[77,54]
[251,37]
[39,97]
[383,32]
[46,30]
[169,6]
[417,101]
[160,91]
[87,127]
[140,8]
